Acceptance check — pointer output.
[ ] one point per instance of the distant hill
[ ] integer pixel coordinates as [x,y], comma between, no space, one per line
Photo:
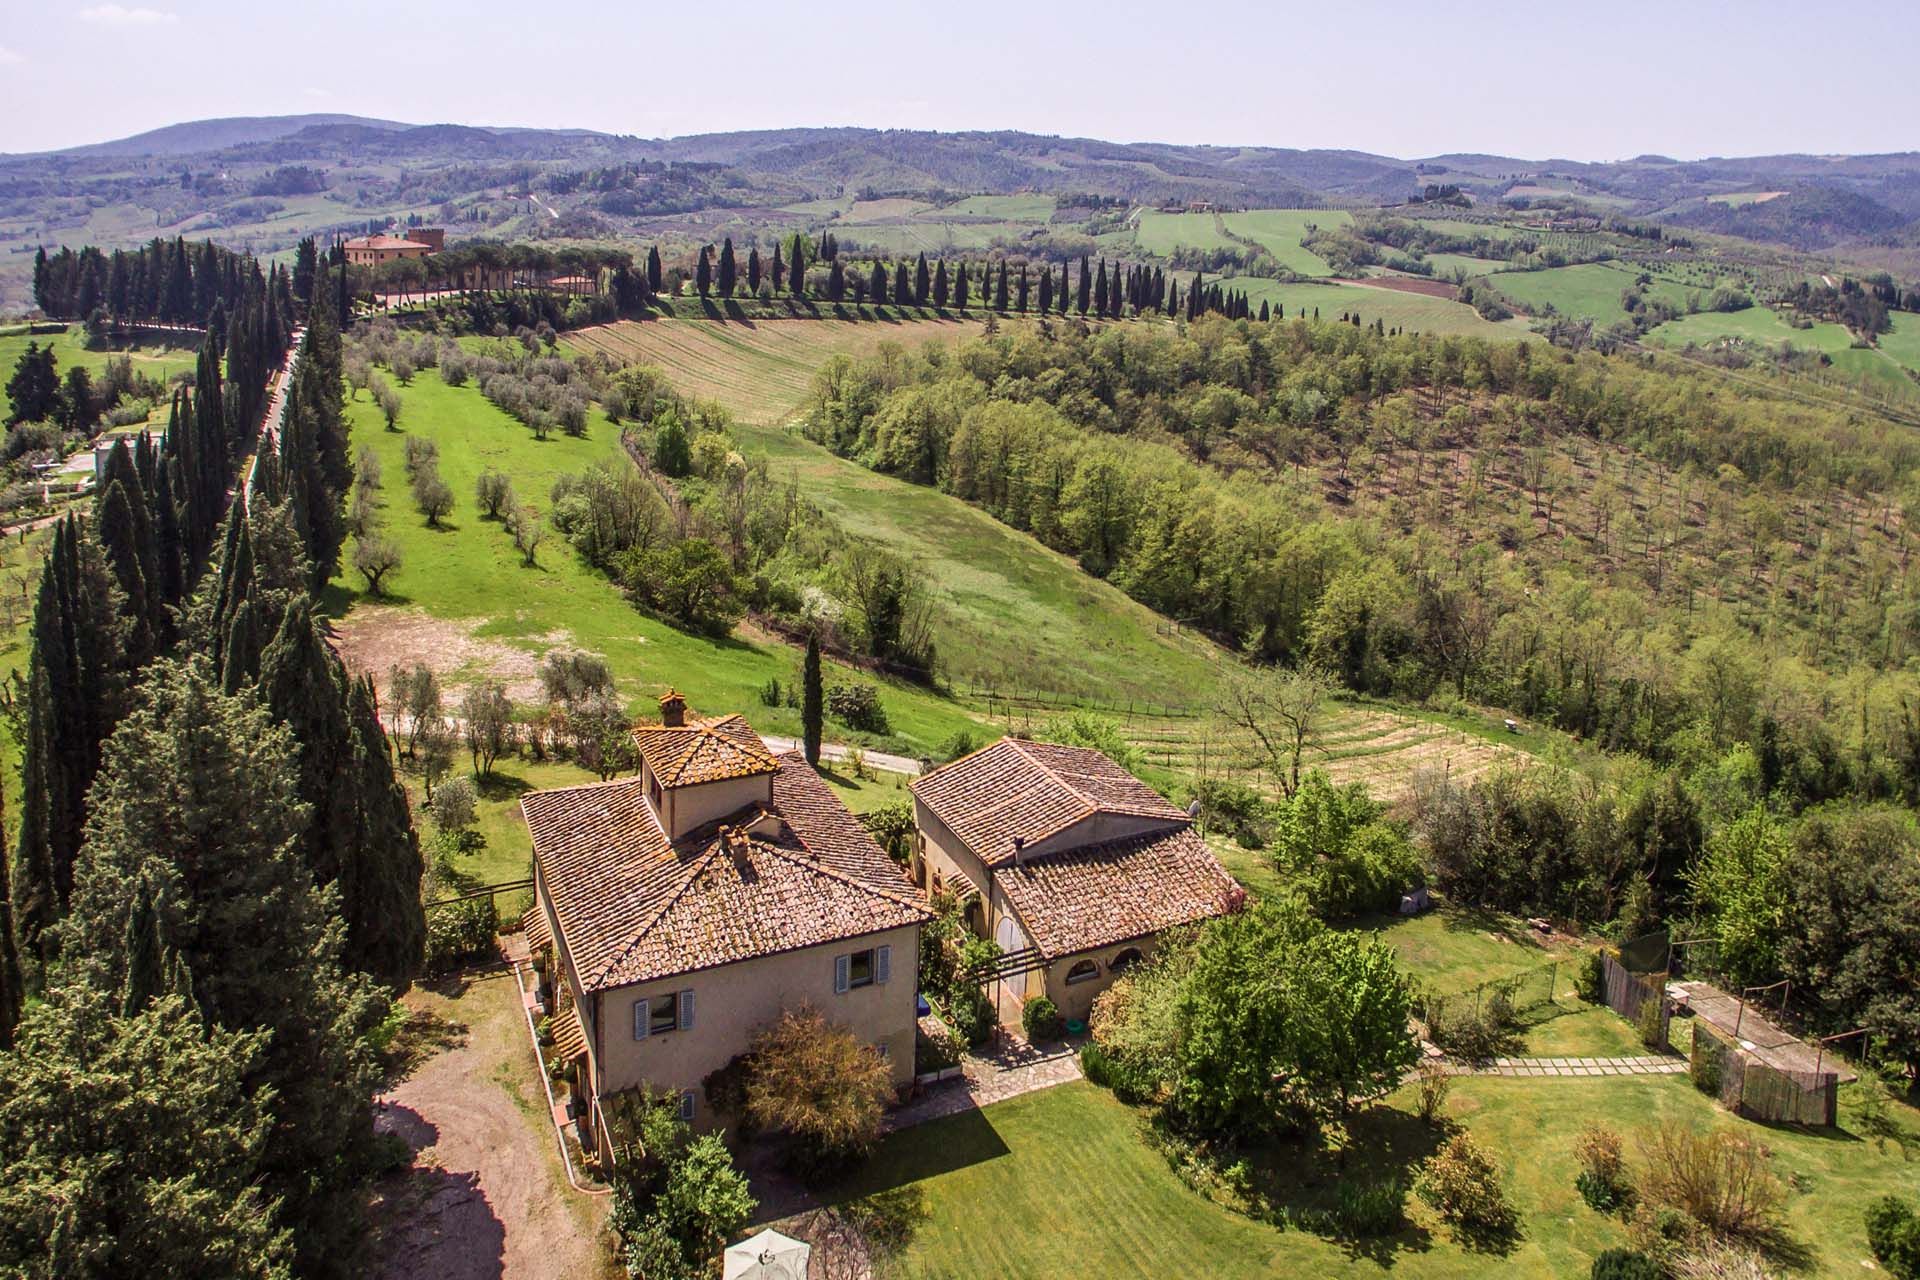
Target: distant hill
[198,136]
[1805,218]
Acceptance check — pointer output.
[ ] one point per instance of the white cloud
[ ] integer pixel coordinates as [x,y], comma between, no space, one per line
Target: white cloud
[9,58]
[117,15]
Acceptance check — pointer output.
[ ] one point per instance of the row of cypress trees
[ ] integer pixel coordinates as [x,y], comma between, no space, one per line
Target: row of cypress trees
[215,852]
[169,281]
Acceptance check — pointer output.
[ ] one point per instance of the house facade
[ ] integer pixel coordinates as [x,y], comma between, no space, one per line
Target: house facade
[367,251]
[688,906]
[1067,861]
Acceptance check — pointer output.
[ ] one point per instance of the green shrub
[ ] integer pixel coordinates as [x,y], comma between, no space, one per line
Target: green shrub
[858,707]
[1040,1019]
[1096,1066]
[1893,1233]
[971,1015]
[1652,1023]
[1705,1064]
[459,932]
[1593,979]
[1371,1209]
[1624,1264]
[1602,1180]
[1463,1187]
[1235,809]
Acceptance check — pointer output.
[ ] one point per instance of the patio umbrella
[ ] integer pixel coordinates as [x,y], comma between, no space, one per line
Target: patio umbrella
[768,1256]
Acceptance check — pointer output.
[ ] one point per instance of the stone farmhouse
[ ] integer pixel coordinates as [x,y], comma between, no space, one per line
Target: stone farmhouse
[689,905]
[1069,862]
[367,251]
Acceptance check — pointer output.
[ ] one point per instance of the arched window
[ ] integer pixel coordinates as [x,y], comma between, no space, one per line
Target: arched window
[1125,960]
[1083,970]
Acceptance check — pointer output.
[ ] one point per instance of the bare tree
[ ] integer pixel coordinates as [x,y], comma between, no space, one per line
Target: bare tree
[1281,711]
[493,493]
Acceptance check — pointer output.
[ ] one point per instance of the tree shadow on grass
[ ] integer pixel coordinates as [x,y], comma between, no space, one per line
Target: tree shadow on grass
[501,785]
[1353,1197]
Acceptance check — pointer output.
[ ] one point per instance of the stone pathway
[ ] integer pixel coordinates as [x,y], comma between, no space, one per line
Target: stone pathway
[1646,1065]
[1008,1069]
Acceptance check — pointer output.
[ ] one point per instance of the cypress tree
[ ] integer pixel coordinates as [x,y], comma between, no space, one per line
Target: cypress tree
[146,957]
[727,268]
[753,271]
[960,288]
[1046,289]
[392,922]
[797,268]
[1084,296]
[197,796]
[779,269]
[1000,289]
[121,522]
[240,654]
[836,280]
[1264,313]
[877,284]
[1020,303]
[1099,290]
[902,290]
[920,282]
[703,271]
[812,700]
[12,997]
[653,268]
[940,284]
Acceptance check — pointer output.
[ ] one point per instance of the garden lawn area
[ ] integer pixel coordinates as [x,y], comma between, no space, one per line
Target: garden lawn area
[468,575]
[70,349]
[1063,1183]
[1280,231]
[1591,290]
[1415,312]
[1595,1031]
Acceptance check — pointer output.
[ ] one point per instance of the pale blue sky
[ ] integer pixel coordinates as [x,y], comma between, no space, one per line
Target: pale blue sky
[1536,79]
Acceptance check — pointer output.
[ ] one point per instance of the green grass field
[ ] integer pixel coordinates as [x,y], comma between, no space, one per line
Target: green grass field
[1415,312]
[1445,264]
[1162,233]
[1902,342]
[468,577]
[1280,231]
[927,234]
[1018,208]
[1591,290]
[1879,371]
[1062,1182]
[69,349]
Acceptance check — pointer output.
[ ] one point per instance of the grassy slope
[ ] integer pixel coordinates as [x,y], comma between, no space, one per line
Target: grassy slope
[1280,231]
[1415,312]
[1879,370]
[1016,613]
[1061,1183]
[469,570]
[1162,233]
[70,349]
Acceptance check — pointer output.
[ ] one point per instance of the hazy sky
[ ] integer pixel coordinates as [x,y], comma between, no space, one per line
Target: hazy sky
[1536,80]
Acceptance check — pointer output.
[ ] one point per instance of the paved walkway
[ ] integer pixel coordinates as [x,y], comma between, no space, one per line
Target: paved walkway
[1010,1068]
[838,752]
[1645,1065]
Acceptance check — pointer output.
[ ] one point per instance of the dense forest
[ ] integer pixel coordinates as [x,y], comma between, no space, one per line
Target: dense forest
[1709,583]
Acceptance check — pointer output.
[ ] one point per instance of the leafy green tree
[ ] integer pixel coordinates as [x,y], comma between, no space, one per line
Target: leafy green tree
[130,1145]
[1347,1003]
[812,700]
[690,582]
[1740,890]
[672,452]
[676,1198]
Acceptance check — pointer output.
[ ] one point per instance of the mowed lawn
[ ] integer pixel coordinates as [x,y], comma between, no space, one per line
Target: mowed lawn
[468,573]
[70,349]
[1414,312]
[1062,1183]
[1280,231]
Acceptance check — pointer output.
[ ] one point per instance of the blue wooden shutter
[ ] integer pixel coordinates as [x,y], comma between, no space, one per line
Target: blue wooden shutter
[882,963]
[686,1011]
[641,1009]
[686,1106]
[840,975]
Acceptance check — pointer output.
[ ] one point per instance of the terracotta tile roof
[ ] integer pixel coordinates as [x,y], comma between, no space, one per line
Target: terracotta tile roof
[385,242]
[703,751]
[1101,894]
[533,922]
[1032,789]
[569,1037]
[633,906]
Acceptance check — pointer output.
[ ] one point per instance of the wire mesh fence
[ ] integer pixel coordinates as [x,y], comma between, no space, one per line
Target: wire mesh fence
[1761,1091]
[1484,1020]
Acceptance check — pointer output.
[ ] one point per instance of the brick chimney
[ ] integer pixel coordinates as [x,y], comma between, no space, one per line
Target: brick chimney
[673,709]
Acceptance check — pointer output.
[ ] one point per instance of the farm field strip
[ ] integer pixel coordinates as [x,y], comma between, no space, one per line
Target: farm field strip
[1415,312]
[1280,231]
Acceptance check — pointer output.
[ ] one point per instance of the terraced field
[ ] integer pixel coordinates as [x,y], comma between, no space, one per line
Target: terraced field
[1383,749]
[758,369]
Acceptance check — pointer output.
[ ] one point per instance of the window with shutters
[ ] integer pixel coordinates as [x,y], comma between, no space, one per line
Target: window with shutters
[686,1106]
[663,1014]
[861,968]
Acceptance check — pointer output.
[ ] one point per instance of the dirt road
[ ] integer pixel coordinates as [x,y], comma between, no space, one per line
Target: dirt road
[486,1198]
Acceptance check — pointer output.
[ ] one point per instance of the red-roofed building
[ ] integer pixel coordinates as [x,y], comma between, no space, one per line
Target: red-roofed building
[687,907]
[1074,866]
[367,251]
